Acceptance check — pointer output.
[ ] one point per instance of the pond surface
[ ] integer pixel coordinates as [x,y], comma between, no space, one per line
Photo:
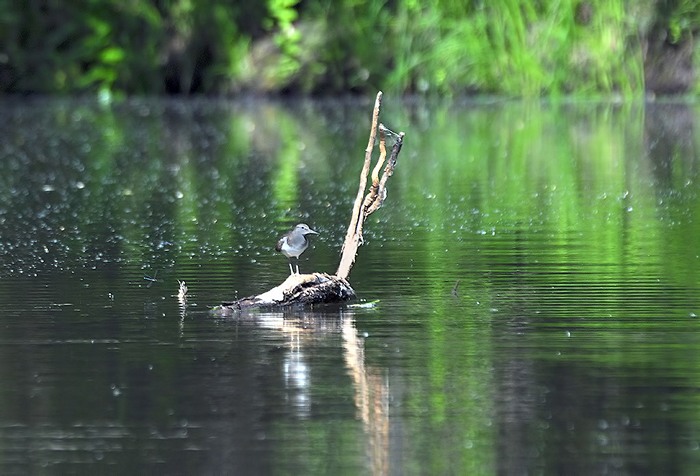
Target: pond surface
[529,294]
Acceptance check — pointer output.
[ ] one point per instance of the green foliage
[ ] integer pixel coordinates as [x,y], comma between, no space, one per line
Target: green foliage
[681,16]
[448,47]
[132,47]
[287,37]
[514,48]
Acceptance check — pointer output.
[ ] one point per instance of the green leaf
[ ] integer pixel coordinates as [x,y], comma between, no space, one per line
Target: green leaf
[112,55]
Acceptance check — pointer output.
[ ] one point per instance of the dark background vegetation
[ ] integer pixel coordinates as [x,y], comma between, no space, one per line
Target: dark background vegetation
[447,47]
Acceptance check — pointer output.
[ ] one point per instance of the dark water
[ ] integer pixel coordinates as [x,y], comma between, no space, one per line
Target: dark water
[529,292]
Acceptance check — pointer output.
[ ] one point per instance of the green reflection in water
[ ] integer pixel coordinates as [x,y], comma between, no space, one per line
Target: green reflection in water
[285,182]
[569,227]
[548,215]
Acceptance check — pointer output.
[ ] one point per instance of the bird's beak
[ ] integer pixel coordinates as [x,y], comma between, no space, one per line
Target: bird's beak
[312,232]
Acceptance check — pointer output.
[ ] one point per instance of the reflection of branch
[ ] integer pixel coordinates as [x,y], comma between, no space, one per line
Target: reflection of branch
[371,399]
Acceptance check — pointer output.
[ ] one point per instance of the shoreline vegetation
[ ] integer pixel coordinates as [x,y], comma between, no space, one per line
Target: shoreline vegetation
[445,48]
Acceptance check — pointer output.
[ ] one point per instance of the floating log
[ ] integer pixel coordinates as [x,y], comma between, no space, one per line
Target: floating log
[316,288]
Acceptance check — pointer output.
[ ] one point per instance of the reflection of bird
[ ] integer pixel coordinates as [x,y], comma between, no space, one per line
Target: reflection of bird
[294,243]
[182,291]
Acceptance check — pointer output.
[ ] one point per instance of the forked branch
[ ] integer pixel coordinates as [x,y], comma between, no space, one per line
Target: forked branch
[320,287]
[377,191]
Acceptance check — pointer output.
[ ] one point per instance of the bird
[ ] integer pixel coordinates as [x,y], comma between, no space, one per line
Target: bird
[294,243]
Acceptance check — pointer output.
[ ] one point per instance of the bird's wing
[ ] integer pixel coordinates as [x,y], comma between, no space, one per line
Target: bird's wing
[278,246]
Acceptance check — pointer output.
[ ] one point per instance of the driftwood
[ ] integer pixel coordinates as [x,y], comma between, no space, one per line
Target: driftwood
[319,288]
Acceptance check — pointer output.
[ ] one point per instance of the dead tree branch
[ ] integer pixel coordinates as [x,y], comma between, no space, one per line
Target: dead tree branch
[374,198]
[321,287]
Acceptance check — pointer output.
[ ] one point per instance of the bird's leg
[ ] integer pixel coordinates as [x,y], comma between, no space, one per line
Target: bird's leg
[291,270]
[297,263]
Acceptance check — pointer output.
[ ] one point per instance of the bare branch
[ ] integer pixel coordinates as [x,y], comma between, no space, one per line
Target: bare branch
[352,240]
[374,198]
[320,287]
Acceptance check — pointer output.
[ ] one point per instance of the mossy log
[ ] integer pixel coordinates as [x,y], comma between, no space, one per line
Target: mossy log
[317,288]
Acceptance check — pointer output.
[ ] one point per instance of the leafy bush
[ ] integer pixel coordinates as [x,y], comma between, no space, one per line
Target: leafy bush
[511,47]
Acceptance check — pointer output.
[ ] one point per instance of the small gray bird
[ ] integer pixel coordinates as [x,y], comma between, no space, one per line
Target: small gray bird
[294,243]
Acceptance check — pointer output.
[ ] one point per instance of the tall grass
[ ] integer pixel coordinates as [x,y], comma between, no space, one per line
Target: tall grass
[515,48]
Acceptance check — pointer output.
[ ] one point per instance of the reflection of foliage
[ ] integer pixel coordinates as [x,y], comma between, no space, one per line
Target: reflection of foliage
[555,217]
[573,171]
